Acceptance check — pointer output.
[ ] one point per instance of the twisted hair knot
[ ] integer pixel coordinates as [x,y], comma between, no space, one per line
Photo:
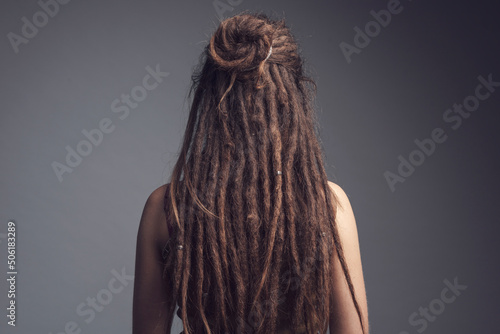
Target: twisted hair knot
[241,43]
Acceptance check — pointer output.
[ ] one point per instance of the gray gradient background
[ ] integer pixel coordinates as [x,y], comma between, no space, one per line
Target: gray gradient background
[439,224]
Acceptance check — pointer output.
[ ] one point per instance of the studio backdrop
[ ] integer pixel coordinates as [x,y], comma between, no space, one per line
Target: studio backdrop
[93,109]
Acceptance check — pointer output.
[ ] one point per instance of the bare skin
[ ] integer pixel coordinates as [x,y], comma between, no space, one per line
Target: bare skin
[344,317]
[149,301]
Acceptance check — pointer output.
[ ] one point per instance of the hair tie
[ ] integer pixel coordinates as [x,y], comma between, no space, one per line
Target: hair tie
[269,53]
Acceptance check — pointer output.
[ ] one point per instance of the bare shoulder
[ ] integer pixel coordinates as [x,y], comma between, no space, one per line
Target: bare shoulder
[156,198]
[335,187]
[151,298]
[343,203]
[346,222]
[153,224]
[346,319]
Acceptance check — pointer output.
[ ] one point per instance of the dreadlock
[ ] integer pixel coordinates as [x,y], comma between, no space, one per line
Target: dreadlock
[252,212]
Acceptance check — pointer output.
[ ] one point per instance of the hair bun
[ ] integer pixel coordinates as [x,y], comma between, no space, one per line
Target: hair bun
[241,43]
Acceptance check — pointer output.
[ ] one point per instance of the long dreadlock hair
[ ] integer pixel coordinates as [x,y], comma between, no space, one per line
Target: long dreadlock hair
[252,212]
